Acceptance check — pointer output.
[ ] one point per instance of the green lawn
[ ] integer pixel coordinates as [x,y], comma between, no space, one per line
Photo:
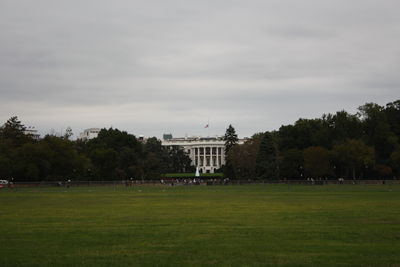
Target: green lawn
[201,225]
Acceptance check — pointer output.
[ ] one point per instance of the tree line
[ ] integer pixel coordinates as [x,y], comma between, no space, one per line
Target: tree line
[364,145]
[113,155]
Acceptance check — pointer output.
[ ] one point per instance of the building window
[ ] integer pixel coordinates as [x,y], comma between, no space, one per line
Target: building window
[214,151]
[220,150]
[207,151]
[196,151]
[201,150]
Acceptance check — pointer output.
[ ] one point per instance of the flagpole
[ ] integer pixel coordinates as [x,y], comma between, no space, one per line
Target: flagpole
[208,128]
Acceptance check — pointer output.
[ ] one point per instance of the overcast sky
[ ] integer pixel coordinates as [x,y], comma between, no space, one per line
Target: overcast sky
[149,67]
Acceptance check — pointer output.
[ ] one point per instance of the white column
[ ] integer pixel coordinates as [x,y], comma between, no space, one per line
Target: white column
[218,163]
[211,157]
[193,157]
[198,157]
[222,155]
[204,157]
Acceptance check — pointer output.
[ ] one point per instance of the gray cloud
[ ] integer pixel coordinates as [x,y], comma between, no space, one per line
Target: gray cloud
[154,66]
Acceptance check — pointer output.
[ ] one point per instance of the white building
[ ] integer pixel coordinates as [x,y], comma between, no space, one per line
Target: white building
[89,134]
[206,153]
[31,131]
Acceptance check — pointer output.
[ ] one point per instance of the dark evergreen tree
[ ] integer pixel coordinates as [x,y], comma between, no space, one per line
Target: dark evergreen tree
[14,131]
[267,159]
[230,138]
[13,125]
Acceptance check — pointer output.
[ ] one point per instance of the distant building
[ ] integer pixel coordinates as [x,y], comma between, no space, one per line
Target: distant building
[206,153]
[31,131]
[89,134]
[167,136]
[142,139]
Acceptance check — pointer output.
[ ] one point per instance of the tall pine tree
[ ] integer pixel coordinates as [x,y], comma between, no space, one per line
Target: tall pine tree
[14,131]
[230,138]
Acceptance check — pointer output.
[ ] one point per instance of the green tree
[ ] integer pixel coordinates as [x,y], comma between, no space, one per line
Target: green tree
[33,162]
[345,126]
[115,154]
[157,159]
[166,159]
[392,112]
[179,161]
[65,161]
[304,133]
[291,165]
[353,156]
[267,158]
[14,131]
[317,162]
[230,138]
[243,158]
[6,164]
[126,158]
[383,171]
[152,166]
[105,162]
[377,131]
[154,145]
[395,162]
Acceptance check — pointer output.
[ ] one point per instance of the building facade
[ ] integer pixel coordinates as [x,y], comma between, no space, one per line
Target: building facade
[31,131]
[89,134]
[206,153]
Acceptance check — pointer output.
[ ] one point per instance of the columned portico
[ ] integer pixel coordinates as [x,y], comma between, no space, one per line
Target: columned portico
[206,153]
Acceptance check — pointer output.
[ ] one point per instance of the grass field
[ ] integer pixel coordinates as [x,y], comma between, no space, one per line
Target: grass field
[201,225]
